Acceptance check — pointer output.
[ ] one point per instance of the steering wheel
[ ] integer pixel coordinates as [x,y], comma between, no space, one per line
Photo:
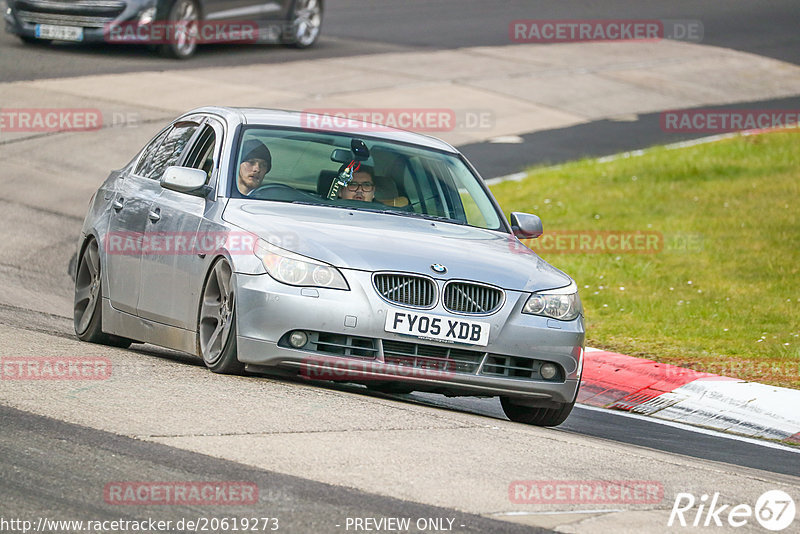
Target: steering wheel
[273,185]
[263,191]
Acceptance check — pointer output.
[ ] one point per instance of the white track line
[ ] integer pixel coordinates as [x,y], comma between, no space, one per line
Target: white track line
[691,428]
[562,512]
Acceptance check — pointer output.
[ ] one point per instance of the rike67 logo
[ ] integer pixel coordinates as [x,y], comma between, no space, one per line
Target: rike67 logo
[774,510]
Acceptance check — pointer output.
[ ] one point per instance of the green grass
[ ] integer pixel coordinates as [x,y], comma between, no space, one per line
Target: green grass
[723,293]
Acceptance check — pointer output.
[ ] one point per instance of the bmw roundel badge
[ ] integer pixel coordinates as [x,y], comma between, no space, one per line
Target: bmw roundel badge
[438,268]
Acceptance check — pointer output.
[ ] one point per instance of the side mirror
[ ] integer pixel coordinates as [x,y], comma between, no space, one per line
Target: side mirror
[526,226]
[185,180]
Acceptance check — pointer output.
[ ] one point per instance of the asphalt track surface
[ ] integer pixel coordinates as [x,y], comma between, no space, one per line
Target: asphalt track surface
[49,467]
[592,139]
[56,470]
[620,426]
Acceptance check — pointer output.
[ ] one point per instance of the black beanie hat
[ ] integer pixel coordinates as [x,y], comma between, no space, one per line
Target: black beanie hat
[256,149]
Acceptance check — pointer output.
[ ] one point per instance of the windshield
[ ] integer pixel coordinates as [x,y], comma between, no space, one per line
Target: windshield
[354,172]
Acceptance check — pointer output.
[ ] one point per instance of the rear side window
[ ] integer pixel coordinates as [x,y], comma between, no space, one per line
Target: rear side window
[170,150]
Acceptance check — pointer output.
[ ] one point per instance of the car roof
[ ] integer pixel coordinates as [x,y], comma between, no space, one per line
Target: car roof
[301,119]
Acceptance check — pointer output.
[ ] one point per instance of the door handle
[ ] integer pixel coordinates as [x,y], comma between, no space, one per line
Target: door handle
[154,215]
[117,204]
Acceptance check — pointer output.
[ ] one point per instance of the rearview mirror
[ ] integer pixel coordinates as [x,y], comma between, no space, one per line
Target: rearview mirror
[526,226]
[185,180]
[341,155]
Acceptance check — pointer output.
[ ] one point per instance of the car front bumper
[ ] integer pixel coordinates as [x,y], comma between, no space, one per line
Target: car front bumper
[348,342]
[22,17]
[115,22]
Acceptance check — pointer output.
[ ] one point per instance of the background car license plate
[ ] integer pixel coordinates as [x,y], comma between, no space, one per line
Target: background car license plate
[437,327]
[61,33]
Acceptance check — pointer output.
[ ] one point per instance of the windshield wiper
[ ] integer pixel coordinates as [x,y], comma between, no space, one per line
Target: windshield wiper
[422,216]
[412,214]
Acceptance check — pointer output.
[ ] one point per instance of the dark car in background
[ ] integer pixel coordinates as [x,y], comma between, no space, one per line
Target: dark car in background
[174,27]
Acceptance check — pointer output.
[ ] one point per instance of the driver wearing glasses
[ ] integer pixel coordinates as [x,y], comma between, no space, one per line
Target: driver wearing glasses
[361,187]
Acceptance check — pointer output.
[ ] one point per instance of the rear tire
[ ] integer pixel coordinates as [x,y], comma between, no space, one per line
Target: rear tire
[88,305]
[536,416]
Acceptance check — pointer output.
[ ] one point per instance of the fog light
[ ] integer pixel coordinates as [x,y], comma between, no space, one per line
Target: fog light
[548,371]
[298,339]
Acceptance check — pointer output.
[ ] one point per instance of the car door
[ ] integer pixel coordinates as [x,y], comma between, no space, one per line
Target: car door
[133,213]
[129,199]
[246,10]
[171,279]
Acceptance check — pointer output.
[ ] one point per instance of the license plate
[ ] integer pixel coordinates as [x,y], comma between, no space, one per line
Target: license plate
[440,328]
[60,33]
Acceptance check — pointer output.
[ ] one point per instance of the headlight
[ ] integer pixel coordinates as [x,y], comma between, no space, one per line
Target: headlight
[563,304]
[297,270]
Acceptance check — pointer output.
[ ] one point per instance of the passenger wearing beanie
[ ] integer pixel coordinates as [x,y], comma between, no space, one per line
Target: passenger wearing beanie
[256,163]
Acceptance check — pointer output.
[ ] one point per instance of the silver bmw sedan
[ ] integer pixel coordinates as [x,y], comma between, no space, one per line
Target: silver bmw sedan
[277,242]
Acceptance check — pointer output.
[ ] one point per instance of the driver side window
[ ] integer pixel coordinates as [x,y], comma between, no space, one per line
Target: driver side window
[202,154]
[170,150]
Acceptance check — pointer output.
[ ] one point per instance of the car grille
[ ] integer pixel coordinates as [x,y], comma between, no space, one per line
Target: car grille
[442,359]
[83,13]
[28,17]
[405,289]
[421,356]
[466,297]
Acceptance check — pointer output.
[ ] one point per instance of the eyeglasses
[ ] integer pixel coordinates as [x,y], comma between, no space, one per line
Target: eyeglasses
[365,186]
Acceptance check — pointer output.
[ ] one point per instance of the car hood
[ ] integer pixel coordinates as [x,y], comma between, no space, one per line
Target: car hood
[368,241]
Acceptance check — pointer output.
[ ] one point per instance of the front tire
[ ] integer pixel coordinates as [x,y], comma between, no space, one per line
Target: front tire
[88,306]
[305,24]
[538,416]
[182,20]
[216,324]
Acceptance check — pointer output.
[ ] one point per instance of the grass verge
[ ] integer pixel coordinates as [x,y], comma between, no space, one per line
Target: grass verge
[713,280]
